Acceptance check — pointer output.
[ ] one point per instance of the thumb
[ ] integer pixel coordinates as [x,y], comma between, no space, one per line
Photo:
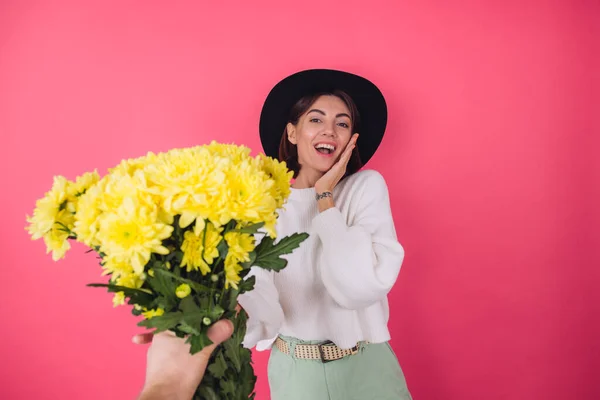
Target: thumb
[218,333]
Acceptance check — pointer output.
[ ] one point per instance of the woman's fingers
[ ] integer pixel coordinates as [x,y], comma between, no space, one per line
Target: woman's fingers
[350,147]
[220,331]
[142,338]
[216,333]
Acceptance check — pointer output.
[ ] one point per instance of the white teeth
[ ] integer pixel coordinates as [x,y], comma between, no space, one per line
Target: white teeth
[325,146]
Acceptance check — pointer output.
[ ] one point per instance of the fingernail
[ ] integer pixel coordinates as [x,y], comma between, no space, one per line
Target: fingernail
[221,331]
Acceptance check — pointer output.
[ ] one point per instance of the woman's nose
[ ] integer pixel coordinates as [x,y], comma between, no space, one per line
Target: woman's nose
[329,130]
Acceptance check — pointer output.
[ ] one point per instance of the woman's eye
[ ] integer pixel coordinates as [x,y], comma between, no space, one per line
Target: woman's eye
[315,120]
[344,125]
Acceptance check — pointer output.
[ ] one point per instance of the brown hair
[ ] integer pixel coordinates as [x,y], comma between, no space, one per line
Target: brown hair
[288,151]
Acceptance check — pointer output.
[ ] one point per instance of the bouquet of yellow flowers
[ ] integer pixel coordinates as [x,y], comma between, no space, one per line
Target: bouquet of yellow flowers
[177,232]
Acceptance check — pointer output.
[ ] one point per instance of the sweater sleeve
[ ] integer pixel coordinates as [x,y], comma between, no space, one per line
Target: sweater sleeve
[361,259]
[265,314]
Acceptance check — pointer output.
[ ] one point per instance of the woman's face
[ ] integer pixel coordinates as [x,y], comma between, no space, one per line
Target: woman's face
[321,134]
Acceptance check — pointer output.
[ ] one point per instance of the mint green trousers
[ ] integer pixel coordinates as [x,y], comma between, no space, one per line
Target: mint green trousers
[372,374]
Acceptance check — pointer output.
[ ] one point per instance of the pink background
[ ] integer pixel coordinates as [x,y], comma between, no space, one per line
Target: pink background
[488,156]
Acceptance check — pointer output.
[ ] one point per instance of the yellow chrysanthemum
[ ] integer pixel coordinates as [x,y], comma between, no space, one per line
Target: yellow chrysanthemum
[247,197]
[115,267]
[131,234]
[236,154]
[128,214]
[108,195]
[116,188]
[280,174]
[122,274]
[270,222]
[83,183]
[153,313]
[119,299]
[183,290]
[132,165]
[194,245]
[88,213]
[186,179]
[132,280]
[240,246]
[232,272]
[54,218]
[57,238]
[47,209]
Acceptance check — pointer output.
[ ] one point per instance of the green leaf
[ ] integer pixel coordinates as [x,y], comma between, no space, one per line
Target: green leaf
[268,254]
[193,284]
[246,378]
[248,264]
[162,323]
[230,226]
[136,311]
[247,285]
[208,393]
[230,373]
[198,342]
[136,296]
[188,305]
[251,229]
[272,264]
[192,314]
[229,300]
[228,386]
[219,366]
[223,249]
[204,302]
[174,256]
[239,324]
[162,283]
[233,353]
[215,313]
[186,328]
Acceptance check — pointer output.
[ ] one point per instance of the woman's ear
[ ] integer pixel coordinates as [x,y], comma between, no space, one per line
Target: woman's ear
[291,133]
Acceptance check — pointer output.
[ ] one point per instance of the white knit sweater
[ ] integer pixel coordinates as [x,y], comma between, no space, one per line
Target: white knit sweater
[336,283]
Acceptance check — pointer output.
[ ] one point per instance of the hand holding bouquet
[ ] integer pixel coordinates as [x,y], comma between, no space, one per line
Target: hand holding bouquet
[177,233]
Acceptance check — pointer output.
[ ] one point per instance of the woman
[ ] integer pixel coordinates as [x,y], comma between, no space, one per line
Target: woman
[325,315]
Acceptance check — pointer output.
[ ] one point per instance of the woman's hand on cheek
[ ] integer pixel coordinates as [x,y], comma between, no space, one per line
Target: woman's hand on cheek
[331,178]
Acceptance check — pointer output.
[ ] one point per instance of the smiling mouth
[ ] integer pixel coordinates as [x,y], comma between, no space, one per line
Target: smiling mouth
[325,149]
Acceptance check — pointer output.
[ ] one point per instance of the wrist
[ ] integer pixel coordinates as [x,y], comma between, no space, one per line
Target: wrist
[323,195]
[323,189]
[325,201]
[157,392]
[161,391]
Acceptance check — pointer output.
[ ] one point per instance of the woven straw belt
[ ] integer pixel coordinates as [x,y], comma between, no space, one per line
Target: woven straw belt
[324,352]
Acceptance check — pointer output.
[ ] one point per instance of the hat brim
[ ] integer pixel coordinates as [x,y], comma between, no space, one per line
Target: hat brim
[368,98]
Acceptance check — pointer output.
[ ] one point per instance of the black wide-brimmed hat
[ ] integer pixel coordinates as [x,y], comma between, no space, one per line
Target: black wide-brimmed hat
[368,99]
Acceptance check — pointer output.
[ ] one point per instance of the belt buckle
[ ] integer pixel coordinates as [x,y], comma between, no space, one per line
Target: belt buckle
[321,354]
